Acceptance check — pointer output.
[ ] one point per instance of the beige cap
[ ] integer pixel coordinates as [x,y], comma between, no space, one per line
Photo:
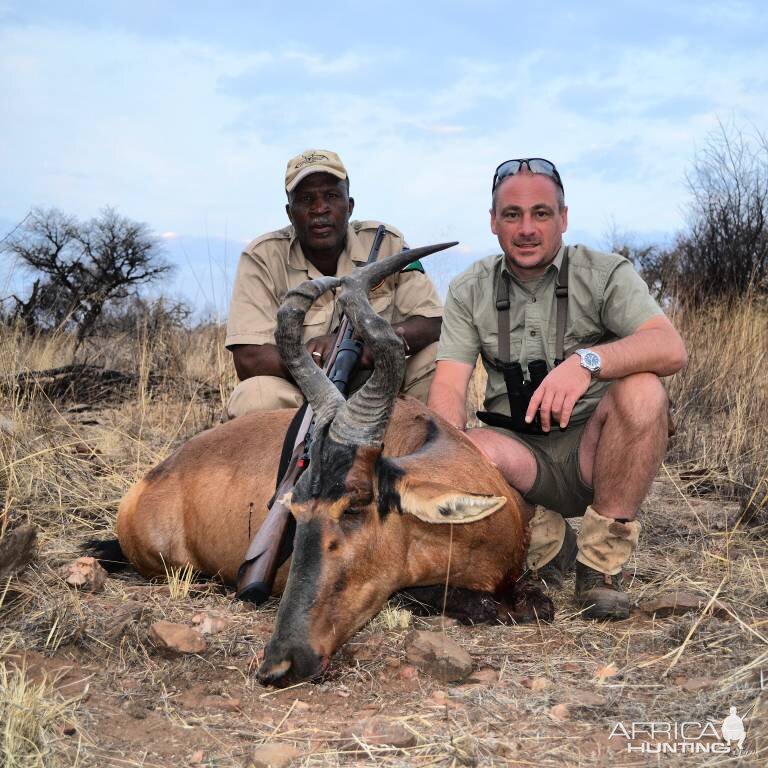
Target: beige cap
[313,161]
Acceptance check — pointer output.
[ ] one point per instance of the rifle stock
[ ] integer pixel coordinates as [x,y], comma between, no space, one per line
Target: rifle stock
[266,551]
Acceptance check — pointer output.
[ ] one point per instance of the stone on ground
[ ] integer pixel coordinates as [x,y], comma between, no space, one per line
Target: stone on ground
[176,638]
[84,573]
[438,655]
[271,755]
[376,731]
[677,603]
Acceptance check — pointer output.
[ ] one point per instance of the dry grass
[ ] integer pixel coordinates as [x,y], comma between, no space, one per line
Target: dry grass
[112,699]
[34,720]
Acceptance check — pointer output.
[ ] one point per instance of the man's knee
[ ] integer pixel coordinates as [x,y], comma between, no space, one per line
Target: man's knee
[263,393]
[640,399]
[419,372]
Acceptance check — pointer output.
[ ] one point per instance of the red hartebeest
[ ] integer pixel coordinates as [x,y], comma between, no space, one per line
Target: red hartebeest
[394,497]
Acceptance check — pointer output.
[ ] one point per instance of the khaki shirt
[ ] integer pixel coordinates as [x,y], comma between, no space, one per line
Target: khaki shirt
[274,263]
[607,299]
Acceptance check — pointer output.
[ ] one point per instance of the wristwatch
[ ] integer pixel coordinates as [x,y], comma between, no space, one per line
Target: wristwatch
[590,360]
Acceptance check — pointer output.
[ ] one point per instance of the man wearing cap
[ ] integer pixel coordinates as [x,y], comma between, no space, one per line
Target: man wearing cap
[320,241]
[601,408]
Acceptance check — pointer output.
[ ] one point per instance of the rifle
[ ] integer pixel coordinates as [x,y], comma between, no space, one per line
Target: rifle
[273,542]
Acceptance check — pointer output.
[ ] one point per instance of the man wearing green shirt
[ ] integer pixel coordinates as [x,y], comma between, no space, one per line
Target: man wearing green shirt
[602,410]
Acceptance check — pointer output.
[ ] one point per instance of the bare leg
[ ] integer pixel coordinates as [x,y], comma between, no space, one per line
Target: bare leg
[513,459]
[624,444]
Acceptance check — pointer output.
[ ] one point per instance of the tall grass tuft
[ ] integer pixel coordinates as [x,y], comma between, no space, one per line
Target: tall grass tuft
[721,402]
[33,717]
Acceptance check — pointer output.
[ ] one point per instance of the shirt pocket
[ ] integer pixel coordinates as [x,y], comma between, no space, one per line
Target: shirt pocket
[583,331]
[383,301]
[317,321]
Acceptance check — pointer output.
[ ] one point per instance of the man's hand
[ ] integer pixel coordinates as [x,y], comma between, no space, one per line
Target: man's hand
[321,347]
[557,395]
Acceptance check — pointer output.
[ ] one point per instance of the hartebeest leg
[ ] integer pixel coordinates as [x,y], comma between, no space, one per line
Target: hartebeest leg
[467,606]
[521,602]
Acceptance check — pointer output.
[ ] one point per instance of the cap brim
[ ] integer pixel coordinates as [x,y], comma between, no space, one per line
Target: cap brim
[304,172]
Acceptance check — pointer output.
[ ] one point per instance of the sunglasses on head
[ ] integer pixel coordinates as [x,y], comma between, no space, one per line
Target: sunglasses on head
[534,165]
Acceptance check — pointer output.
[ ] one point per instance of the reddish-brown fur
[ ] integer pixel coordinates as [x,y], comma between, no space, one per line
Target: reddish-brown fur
[202,504]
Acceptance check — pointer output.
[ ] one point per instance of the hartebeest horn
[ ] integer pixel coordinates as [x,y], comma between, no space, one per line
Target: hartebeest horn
[363,419]
[321,394]
[370,407]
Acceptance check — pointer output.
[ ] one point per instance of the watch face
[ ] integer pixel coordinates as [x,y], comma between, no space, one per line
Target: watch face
[591,360]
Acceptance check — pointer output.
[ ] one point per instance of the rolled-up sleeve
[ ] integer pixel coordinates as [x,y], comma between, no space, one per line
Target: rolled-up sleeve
[253,309]
[459,338]
[627,302]
[415,295]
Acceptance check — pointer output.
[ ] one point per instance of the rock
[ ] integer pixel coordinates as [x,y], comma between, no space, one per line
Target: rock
[677,603]
[559,712]
[571,666]
[408,672]
[220,703]
[272,755]
[8,425]
[84,573]
[438,655]
[376,731]
[586,699]
[693,684]
[176,638]
[535,683]
[369,649]
[437,623]
[484,676]
[210,623]
[17,549]
[609,670]
[135,710]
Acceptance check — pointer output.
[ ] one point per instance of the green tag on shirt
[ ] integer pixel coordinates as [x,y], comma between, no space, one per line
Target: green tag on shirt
[413,266]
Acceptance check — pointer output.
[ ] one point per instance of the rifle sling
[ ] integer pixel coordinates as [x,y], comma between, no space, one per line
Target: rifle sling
[289,444]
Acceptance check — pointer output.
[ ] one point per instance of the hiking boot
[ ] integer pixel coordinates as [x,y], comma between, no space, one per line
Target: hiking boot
[554,572]
[600,594]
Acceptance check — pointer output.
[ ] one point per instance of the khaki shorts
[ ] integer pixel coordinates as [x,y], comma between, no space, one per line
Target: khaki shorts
[559,485]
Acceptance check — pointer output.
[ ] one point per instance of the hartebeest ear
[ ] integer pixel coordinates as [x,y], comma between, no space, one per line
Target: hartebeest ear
[437,503]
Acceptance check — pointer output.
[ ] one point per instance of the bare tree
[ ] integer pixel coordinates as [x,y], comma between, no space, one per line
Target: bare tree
[82,267]
[659,266]
[725,248]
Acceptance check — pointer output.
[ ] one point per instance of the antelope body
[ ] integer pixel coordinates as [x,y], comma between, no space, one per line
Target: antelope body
[394,497]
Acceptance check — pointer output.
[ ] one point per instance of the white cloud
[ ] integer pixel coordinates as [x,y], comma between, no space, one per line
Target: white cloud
[155,127]
[322,65]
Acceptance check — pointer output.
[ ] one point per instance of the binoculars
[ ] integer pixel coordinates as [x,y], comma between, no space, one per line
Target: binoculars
[519,392]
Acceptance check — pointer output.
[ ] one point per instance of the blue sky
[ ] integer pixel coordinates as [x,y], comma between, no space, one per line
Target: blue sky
[183,115]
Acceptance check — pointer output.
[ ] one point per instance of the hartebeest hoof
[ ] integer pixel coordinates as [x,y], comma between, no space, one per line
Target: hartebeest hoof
[526,603]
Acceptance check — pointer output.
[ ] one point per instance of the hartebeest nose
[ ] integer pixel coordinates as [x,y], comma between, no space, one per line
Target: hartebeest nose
[284,666]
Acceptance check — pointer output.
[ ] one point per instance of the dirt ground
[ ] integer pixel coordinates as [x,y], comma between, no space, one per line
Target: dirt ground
[540,695]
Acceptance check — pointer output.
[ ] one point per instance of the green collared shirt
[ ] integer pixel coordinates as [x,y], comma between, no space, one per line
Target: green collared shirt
[607,299]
